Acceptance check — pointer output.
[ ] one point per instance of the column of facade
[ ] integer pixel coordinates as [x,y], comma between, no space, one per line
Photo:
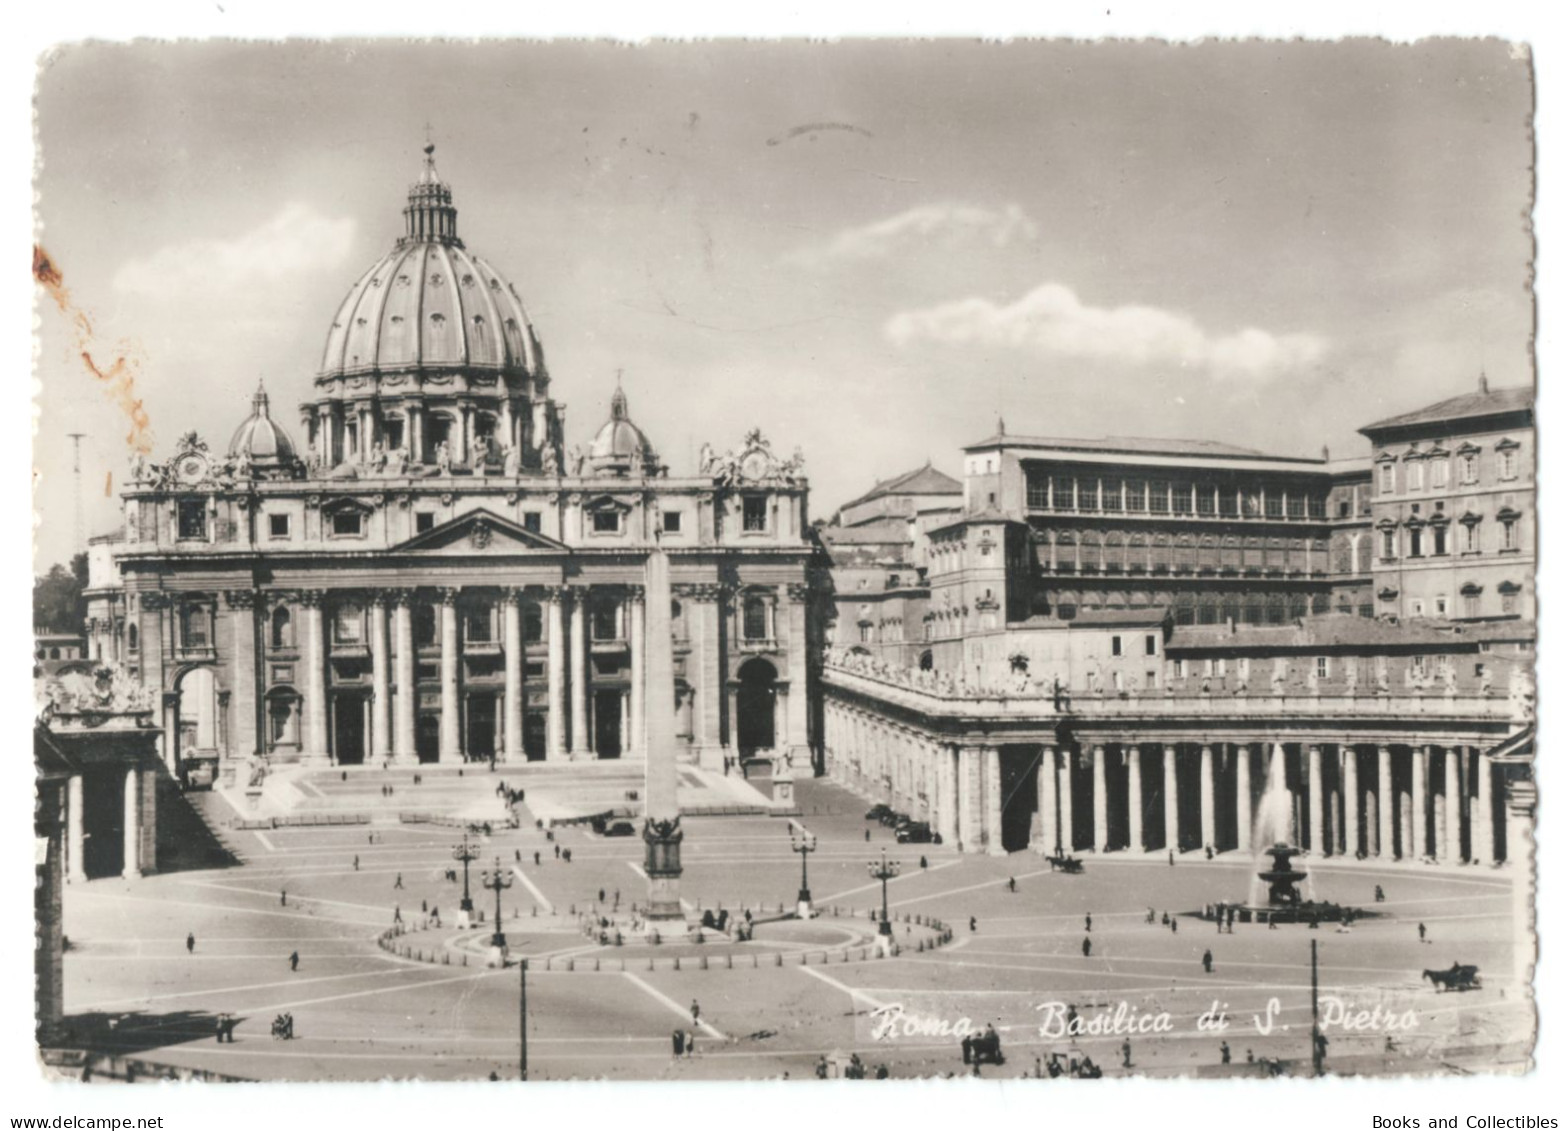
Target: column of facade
[1350,775]
[244,737]
[639,644]
[1483,843]
[133,824]
[707,642]
[1244,796]
[315,737]
[1134,796]
[1317,838]
[1102,832]
[795,740]
[451,745]
[75,842]
[947,779]
[971,811]
[1453,805]
[1206,792]
[578,741]
[512,643]
[403,748]
[1420,798]
[993,802]
[1387,848]
[1069,819]
[1045,793]
[555,718]
[1172,814]
[380,680]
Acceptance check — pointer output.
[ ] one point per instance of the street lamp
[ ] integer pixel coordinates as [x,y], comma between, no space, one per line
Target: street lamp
[804,842]
[498,881]
[465,852]
[884,870]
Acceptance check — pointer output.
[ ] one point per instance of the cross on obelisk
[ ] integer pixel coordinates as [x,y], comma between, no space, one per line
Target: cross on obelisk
[661,813]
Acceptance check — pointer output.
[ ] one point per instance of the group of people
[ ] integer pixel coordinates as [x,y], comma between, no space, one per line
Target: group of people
[282,1027]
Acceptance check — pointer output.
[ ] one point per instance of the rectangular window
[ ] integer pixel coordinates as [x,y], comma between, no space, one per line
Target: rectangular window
[1418,666]
[1088,494]
[1510,603]
[1472,604]
[1388,545]
[754,514]
[1439,541]
[1111,495]
[1415,541]
[1414,475]
[1159,497]
[1137,496]
[423,521]
[1323,668]
[1417,607]
[346,625]
[348,524]
[1230,503]
[607,522]
[533,522]
[606,621]
[1037,489]
[1440,604]
[1507,464]
[1181,498]
[1509,537]
[1317,507]
[1469,468]
[1116,645]
[1150,646]
[1274,504]
[1439,474]
[193,518]
[476,628]
[1296,505]
[1385,477]
[278,525]
[1181,669]
[865,634]
[1471,537]
[672,522]
[1206,503]
[1063,495]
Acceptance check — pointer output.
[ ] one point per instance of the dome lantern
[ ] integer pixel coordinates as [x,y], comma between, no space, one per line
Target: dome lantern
[430,215]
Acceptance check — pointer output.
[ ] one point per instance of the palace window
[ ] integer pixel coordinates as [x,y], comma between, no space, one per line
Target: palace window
[607,620]
[423,521]
[1470,601]
[1181,498]
[278,526]
[1385,478]
[1413,475]
[1317,506]
[1439,541]
[1508,537]
[1273,504]
[1296,505]
[348,624]
[424,626]
[1469,467]
[1470,540]
[1088,494]
[1206,503]
[1510,603]
[533,623]
[1439,474]
[1151,645]
[477,627]
[1230,502]
[754,514]
[193,519]
[533,522]
[1323,667]
[672,522]
[1063,493]
[1440,605]
[1116,645]
[1507,463]
[1417,607]
[282,628]
[1137,496]
[1159,497]
[1415,541]
[348,524]
[195,627]
[1111,494]
[754,619]
[1390,545]
[607,521]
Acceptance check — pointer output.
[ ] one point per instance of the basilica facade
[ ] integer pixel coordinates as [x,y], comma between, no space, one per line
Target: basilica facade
[429,573]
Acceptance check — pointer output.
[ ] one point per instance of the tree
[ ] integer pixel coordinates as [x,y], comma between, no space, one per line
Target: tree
[58,604]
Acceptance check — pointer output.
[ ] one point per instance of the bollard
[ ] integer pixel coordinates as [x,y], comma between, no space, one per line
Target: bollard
[754,962]
[729,962]
[446,958]
[778,959]
[595,965]
[571,964]
[536,911]
[677,964]
[465,960]
[650,966]
[702,963]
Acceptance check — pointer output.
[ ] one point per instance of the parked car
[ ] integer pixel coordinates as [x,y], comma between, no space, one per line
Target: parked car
[917,832]
[621,828]
[878,812]
[893,818]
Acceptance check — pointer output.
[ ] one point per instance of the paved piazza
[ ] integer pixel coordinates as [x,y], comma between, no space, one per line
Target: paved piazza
[363,1013]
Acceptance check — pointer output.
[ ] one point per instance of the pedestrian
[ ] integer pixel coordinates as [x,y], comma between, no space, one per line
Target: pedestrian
[1249,1056]
[294,962]
[397,914]
[1165,918]
[1087,946]
[1208,961]
[398,883]
[968,1047]
[1219,922]
[518,854]
[1377,893]
[1208,852]
[190,943]
[566,855]
[601,895]
[922,863]
[618,899]
[973,926]
[536,859]
[1172,855]
[1421,930]
[283,897]
[1126,1053]
[343,776]
[868,836]
[424,907]
[691,1045]
[1088,922]
[372,839]
[557,851]
[1012,884]
[696,1011]
[678,1042]
[356,862]
[1173,924]
[1224,1052]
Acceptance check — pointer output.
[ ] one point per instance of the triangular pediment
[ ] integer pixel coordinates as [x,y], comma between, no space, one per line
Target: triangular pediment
[480,532]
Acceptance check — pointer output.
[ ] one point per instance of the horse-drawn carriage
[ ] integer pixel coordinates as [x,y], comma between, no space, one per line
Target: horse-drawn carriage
[984,1048]
[1456,977]
[1061,862]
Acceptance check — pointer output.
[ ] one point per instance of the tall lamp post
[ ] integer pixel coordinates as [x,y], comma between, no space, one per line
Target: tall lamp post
[466,853]
[884,870]
[498,880]
[804,842]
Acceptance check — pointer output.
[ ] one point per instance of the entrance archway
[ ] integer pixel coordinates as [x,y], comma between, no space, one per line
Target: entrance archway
[198,713]
[755,700]
[348,729]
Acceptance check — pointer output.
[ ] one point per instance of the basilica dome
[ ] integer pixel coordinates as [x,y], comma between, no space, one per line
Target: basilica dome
[430,304]
[620,448]
[260,442]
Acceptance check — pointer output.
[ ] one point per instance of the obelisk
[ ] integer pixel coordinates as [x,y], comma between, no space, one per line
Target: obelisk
[661,830]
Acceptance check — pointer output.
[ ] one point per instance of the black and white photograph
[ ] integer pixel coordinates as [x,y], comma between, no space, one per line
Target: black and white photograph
[806,561]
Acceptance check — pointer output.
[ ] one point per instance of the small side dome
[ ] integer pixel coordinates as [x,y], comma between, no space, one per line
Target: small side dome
[260,443]
[620,448]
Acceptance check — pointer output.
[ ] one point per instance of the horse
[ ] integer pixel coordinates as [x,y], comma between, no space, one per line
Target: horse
[1456,977]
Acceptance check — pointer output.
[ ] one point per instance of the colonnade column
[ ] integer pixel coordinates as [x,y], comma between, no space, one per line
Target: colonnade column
[451,747]
[555,716]
[635,742]
[407,690]
[1317,839]
[970,808]
[1419,798]
[75,867]
[315,678]
[1069,827]
[1206,793]
[380,682]
[1350,775]
[1244,797]
[578,742]
[1386,847]
[512,643]
[1483,844]
[1172,826]
[948,807]
[1101,819]
[1453,805]
[133,824]
[1134,754]
[993,802]
[1050,837]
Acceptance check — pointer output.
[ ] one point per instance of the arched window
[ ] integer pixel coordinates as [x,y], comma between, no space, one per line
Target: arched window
[1066,551]
[195,627]
[282,628]
[1137,553]
[754,620]
[1089,553]
[1186,554]
[1115,553]
[1162,553]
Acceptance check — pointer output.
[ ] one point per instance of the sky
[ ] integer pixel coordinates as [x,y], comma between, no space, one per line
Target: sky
[871,250]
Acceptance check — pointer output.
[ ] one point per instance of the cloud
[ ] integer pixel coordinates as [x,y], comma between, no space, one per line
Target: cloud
[296,242]
[1051,321]
[944,226]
